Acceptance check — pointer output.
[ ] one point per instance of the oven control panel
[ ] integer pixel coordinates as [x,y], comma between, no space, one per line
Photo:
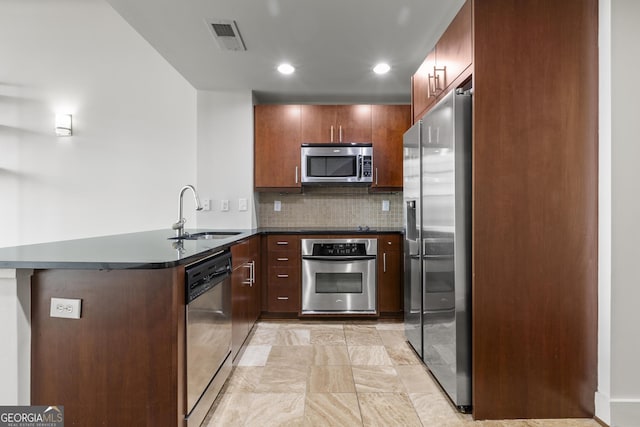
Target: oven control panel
[339,249]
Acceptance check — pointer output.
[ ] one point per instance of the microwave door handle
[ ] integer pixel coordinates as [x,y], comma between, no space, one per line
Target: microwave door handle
[360,166]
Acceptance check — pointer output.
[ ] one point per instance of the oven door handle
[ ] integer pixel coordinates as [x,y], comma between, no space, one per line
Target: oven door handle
[339,258]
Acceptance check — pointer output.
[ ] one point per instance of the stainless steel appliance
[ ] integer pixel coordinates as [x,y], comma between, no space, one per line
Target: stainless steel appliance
[339,275]
[337,163]
[437,221]
[208,334]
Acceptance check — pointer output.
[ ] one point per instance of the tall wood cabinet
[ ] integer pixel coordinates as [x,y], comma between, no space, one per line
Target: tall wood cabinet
[535,204]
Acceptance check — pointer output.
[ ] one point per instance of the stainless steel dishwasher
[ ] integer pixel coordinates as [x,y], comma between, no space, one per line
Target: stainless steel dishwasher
[208,335]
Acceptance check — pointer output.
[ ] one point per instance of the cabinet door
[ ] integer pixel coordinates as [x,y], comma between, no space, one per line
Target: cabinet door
[255,290]
[422,95]
[389,123]
[239,306]
[454,49]
[353,123]
[318,123]
[277,147]
[390,275]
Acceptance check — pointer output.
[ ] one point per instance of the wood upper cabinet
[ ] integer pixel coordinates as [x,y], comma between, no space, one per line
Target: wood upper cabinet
[277,141]
[336,123]
[454,52]
[452,55]
[388,125]
[420,87]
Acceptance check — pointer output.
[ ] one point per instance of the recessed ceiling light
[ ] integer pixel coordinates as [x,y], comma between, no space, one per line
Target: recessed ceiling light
[381,68]
[286,68]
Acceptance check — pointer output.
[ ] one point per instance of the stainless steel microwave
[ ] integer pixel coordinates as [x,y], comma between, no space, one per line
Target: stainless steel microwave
[337,163]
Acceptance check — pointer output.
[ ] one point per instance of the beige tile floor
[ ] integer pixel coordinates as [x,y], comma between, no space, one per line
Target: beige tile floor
[296,373]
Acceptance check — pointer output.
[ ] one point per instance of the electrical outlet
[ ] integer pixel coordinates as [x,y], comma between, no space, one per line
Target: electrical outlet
[224,205]
[242,204]
[385,205]
[206,204]
[277,206]
[65,307]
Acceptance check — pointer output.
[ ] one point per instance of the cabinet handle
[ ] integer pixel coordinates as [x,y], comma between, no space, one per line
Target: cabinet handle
[376,176]
[282,243]
[384,262]
[283,298]
[340,133]
[430,93]
[331,133]
[282,276]
[253,272]
[296,174]
[282,259]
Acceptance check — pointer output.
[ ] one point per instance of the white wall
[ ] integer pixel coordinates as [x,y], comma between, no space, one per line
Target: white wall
[618,398]
[225,158]
[625,210]
[134,117]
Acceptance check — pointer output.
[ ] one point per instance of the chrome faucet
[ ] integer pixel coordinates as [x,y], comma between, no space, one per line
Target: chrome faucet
[179,225]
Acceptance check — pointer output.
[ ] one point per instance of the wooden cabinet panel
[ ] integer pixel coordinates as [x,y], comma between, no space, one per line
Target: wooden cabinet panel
[122,362]
[284,242]
[390,275]
[452,55]
[277,139]
[421,96]
[336,123]
[389,123]
[535,251]
[245,290]
[354,123]
[454,51]
[318,123]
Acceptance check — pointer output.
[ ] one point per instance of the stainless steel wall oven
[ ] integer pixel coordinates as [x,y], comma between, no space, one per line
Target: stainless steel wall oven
[339,276]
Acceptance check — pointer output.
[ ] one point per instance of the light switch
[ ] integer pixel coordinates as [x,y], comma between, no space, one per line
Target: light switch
[65,307]
[224,205]
[206,204]
[277,206]
[242,204]
[385,205]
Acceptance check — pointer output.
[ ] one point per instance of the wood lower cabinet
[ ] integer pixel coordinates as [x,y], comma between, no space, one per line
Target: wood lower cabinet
[122,362]
[283,273]
[388,123]
[390,285]
[277,140]
[245,290]
[336,123]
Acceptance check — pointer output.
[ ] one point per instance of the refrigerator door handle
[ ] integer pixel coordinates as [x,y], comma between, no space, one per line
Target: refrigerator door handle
[412,230]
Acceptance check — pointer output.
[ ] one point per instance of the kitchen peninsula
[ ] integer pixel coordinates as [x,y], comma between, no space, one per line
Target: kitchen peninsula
[123,361]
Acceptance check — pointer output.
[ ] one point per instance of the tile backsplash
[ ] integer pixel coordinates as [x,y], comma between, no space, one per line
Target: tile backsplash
[330,207]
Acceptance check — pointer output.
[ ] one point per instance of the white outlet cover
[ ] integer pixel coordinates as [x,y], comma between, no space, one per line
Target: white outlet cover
[206,204]
[242,204]
[224,205]
[277,206]
[385,205]
[68,308]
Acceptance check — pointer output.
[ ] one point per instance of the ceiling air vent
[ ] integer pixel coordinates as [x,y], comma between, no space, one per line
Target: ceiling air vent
[226,33]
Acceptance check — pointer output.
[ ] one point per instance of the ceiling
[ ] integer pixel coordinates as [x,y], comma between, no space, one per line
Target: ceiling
[332,43]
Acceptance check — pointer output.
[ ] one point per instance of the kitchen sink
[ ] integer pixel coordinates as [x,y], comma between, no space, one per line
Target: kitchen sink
[206,235]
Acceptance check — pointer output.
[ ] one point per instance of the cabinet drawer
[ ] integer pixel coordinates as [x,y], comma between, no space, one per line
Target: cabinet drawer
[282,276]
[283,298]
[284,259]
[288,243]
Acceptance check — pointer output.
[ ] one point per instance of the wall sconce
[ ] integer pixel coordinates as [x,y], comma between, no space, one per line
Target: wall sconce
[63,125]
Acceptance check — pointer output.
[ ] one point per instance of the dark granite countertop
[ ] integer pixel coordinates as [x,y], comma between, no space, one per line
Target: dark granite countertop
[143,250]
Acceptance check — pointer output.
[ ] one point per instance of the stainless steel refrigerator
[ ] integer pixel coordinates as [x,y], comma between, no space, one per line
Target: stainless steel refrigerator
[437,225]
